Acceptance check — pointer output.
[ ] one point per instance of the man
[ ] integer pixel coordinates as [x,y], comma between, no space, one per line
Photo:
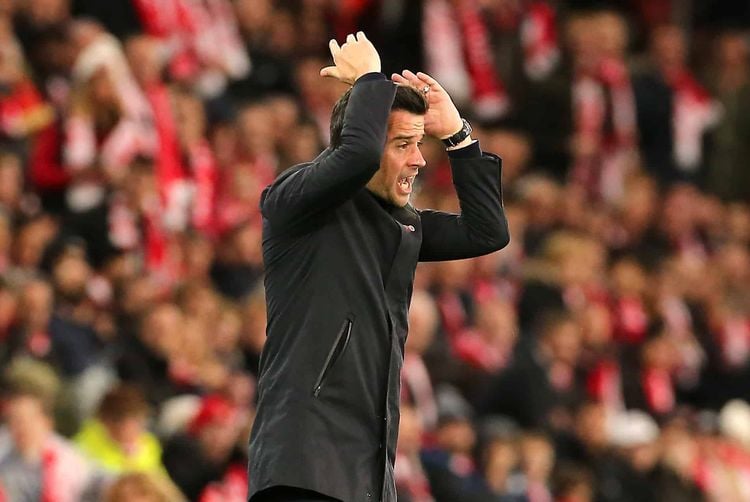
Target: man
[36,463]
[340,246]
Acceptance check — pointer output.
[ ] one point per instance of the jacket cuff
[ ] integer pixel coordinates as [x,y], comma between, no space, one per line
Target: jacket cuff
[373,75]
[470,151]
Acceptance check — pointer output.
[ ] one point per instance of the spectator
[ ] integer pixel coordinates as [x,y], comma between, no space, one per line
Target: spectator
[204,453]
[449,464]
[35,462]
[143,487]
[675,112]
[411,481]
[117,439]
[726,178]
[550,362]
[417,386]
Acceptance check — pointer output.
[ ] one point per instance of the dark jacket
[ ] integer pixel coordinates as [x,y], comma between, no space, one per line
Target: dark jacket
[339,265]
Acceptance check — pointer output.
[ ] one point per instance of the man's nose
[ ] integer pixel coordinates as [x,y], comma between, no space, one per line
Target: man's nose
[417,159]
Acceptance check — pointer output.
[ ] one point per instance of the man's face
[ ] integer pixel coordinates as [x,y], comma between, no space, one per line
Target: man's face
[401,158]
[27,423]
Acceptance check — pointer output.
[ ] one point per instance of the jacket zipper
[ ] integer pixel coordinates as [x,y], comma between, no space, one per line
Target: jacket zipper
[342,340]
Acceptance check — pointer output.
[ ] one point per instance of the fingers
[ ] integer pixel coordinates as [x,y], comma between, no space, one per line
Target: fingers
[333,45]
[399,79]
[428,79]
[352,59]
[414,80]
[330,71]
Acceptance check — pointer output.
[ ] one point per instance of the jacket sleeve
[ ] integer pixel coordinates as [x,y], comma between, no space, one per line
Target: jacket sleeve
[481,228]
[337,174]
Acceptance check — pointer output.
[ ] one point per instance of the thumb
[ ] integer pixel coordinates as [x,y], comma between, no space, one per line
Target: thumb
[330,71]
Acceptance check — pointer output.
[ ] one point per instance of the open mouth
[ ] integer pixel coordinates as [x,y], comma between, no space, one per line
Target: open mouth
[405,184]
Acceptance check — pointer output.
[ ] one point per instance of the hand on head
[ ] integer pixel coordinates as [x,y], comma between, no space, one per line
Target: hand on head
[443,119]
[353,59]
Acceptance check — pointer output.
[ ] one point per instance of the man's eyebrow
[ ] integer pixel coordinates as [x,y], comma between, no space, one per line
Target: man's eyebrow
[409,137]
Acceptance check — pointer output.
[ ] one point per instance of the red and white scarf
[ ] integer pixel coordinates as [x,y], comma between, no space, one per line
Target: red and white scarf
[201,35]
[694,112]
[458,52]
[65,474]
[658,390]
[602,172]
[539,40]
[411,478]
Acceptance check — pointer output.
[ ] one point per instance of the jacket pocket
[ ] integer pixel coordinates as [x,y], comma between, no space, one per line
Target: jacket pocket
[342,340]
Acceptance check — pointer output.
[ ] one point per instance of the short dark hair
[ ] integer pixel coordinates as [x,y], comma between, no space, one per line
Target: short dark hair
[121,402]
[407,99]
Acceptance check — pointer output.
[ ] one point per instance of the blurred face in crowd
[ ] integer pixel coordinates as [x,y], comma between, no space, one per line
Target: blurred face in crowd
[453,275]
[11,181]
[8,307]
[401,159]
[246,245]
[190,118]
[102,91]
[28,424]
[582,41]
[127,430]
[596,327]
[537,457]
[612,33]
[738,222]
[201,303]
[71,274]
[638,204]
[423,318]
[36,304]
[541,198]
[501,459]
[660,353]
[734,261]
[591,426]
[198,253]
[668,47]
[678,212]
[629,278]
[679,448]
[31,241]
[303,145]
[563,340]
[253,16]
[145,59]
[457,436]
[732,50]
[6,235]
[162,328]
[516,151]
[218,438]
[227,332]
[285,115]
[255,126]
[254,323]
[409,431]
[497,323]
[44,12]
[142,487]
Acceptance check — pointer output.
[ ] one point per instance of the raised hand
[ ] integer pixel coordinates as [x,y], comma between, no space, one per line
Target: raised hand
[442,119]
[353,59]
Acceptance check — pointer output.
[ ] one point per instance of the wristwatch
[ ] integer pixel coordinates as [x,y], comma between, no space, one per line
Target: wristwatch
[460,135]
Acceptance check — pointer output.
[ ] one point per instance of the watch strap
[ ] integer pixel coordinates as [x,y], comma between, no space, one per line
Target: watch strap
[460,135]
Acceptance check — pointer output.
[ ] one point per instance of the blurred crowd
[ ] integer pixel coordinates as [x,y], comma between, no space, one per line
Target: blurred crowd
[603,356]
